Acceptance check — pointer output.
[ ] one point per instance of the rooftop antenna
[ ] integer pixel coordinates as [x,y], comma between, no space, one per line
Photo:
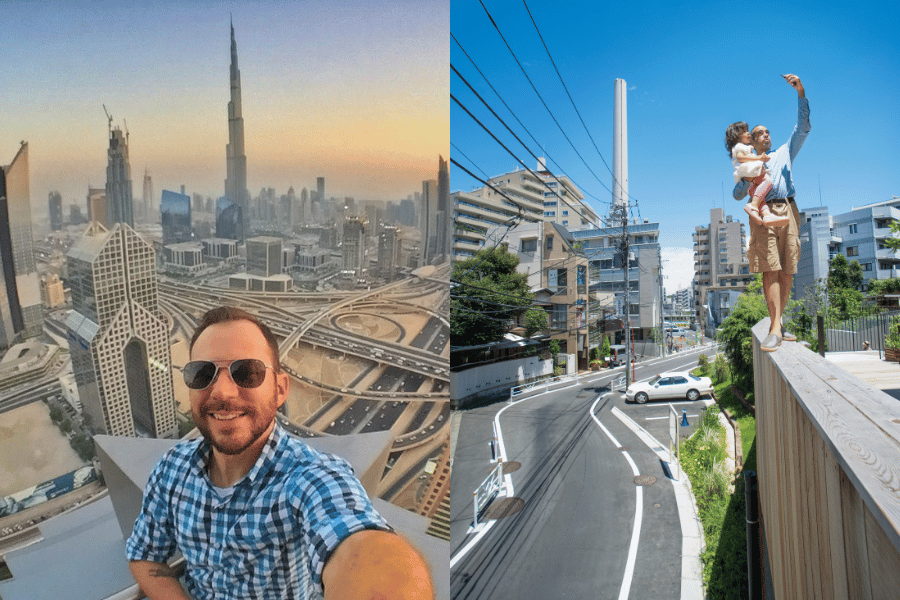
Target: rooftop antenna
[126,129]
[109,118]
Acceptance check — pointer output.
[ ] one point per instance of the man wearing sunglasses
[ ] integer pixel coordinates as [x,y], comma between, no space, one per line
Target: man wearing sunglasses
[255,512]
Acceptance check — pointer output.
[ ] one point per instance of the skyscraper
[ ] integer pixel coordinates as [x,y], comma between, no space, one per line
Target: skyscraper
[20,293]
[320,187]
[54,205]
[429,216]
[235,159]
[119,206]
[388,252]
[353,246]
[96,205]
[442,234]
[117,336]
[175,217]
[149,209]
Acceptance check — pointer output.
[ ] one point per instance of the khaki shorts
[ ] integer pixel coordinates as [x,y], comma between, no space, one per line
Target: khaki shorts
[776,248]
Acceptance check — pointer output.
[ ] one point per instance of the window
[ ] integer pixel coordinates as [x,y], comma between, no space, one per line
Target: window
[549,240]
[867,266]
[852,250]
[854,228]
[558,316]
[529,245]
[565,213]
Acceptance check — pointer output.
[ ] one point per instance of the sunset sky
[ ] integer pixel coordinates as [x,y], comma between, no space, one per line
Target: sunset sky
[354,91]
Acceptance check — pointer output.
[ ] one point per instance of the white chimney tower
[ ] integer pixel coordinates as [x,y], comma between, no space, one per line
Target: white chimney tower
[620,147]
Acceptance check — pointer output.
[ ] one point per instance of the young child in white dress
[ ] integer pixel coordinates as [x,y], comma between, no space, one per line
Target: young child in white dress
[748,165]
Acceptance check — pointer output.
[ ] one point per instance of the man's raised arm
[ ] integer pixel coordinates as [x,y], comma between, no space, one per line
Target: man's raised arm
[379,565]
[801,130]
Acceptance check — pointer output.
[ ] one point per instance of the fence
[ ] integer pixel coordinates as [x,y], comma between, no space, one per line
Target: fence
[849,335]
[828,449]
[541,384]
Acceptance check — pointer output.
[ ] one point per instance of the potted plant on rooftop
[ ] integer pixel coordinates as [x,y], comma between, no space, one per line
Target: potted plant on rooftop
[892,341]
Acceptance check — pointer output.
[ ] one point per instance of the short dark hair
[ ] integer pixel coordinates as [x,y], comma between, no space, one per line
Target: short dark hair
[733,134]
[226,314]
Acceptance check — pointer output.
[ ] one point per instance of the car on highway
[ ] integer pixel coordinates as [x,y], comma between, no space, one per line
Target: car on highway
[672,384]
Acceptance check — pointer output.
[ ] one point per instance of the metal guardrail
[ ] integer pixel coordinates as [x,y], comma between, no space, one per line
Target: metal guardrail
[617,383]
[488,490]
[542,383]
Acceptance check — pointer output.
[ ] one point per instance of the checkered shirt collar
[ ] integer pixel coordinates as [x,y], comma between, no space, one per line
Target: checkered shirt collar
[266,462]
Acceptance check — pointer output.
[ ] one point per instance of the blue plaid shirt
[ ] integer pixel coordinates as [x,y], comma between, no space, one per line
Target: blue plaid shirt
[268,536]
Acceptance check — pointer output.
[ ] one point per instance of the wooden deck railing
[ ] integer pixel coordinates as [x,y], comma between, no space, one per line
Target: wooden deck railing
[828,456]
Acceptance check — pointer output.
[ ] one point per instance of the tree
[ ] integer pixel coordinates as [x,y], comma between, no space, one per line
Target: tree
[487,296]
[837,272]
[605,350]
[893,242]
[736,334]
[854,275]
[535,321]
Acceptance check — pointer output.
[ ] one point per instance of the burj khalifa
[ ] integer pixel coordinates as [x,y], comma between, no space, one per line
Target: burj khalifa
[236,160]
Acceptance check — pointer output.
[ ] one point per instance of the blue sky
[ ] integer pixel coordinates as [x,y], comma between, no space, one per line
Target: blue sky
[691,69]
[355,91]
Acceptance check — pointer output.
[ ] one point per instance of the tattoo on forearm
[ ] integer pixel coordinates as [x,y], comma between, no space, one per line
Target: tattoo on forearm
[163,571]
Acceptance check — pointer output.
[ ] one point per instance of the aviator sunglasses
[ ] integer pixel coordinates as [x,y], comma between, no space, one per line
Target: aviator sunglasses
[245,372]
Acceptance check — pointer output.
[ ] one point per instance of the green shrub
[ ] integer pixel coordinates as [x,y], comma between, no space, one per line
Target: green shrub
[719,369]
[703,365]
[892,339]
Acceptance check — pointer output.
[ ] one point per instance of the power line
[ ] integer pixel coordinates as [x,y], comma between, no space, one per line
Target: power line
[524,145]
[552,116]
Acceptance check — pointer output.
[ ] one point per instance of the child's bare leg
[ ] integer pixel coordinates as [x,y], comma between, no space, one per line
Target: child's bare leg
[763,186]
[753,212]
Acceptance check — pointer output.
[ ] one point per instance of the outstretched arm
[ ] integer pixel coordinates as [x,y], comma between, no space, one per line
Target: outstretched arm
[801,130]
[794,81]
[379,565]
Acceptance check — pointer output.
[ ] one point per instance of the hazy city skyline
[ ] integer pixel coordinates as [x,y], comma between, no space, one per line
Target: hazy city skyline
[356,94]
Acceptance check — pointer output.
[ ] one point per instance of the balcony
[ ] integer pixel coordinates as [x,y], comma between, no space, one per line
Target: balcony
[829,477]
[887,254]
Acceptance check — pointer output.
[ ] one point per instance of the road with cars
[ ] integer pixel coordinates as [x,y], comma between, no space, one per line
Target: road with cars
[574,523]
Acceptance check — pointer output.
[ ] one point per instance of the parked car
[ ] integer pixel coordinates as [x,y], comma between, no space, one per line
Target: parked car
[616,355]
[673,384]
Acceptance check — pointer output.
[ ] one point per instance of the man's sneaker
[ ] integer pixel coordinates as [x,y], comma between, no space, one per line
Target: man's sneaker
[787,335]
[771,343]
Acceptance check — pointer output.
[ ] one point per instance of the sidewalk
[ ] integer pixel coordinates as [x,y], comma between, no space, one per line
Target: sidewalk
[867,366]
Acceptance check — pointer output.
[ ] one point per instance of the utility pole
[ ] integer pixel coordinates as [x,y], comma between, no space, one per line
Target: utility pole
[662,303]
[622,210]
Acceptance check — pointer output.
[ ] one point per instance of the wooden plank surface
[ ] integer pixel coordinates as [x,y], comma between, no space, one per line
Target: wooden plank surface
[828,453]
[864,444]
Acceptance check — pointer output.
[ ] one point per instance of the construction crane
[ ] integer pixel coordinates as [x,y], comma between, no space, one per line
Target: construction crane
[109,117]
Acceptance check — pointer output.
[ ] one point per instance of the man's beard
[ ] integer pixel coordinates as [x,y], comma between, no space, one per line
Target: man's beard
[241,436]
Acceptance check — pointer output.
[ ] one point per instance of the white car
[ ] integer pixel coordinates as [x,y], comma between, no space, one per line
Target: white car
[681,384]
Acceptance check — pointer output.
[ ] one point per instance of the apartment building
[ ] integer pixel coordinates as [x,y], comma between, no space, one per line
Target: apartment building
[721,269]
[859,234]
[530,196]
[643,302]
[557,270]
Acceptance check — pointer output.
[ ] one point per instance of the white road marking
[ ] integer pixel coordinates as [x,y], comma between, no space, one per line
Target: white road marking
[507,481]
[691,529]
[625,590]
